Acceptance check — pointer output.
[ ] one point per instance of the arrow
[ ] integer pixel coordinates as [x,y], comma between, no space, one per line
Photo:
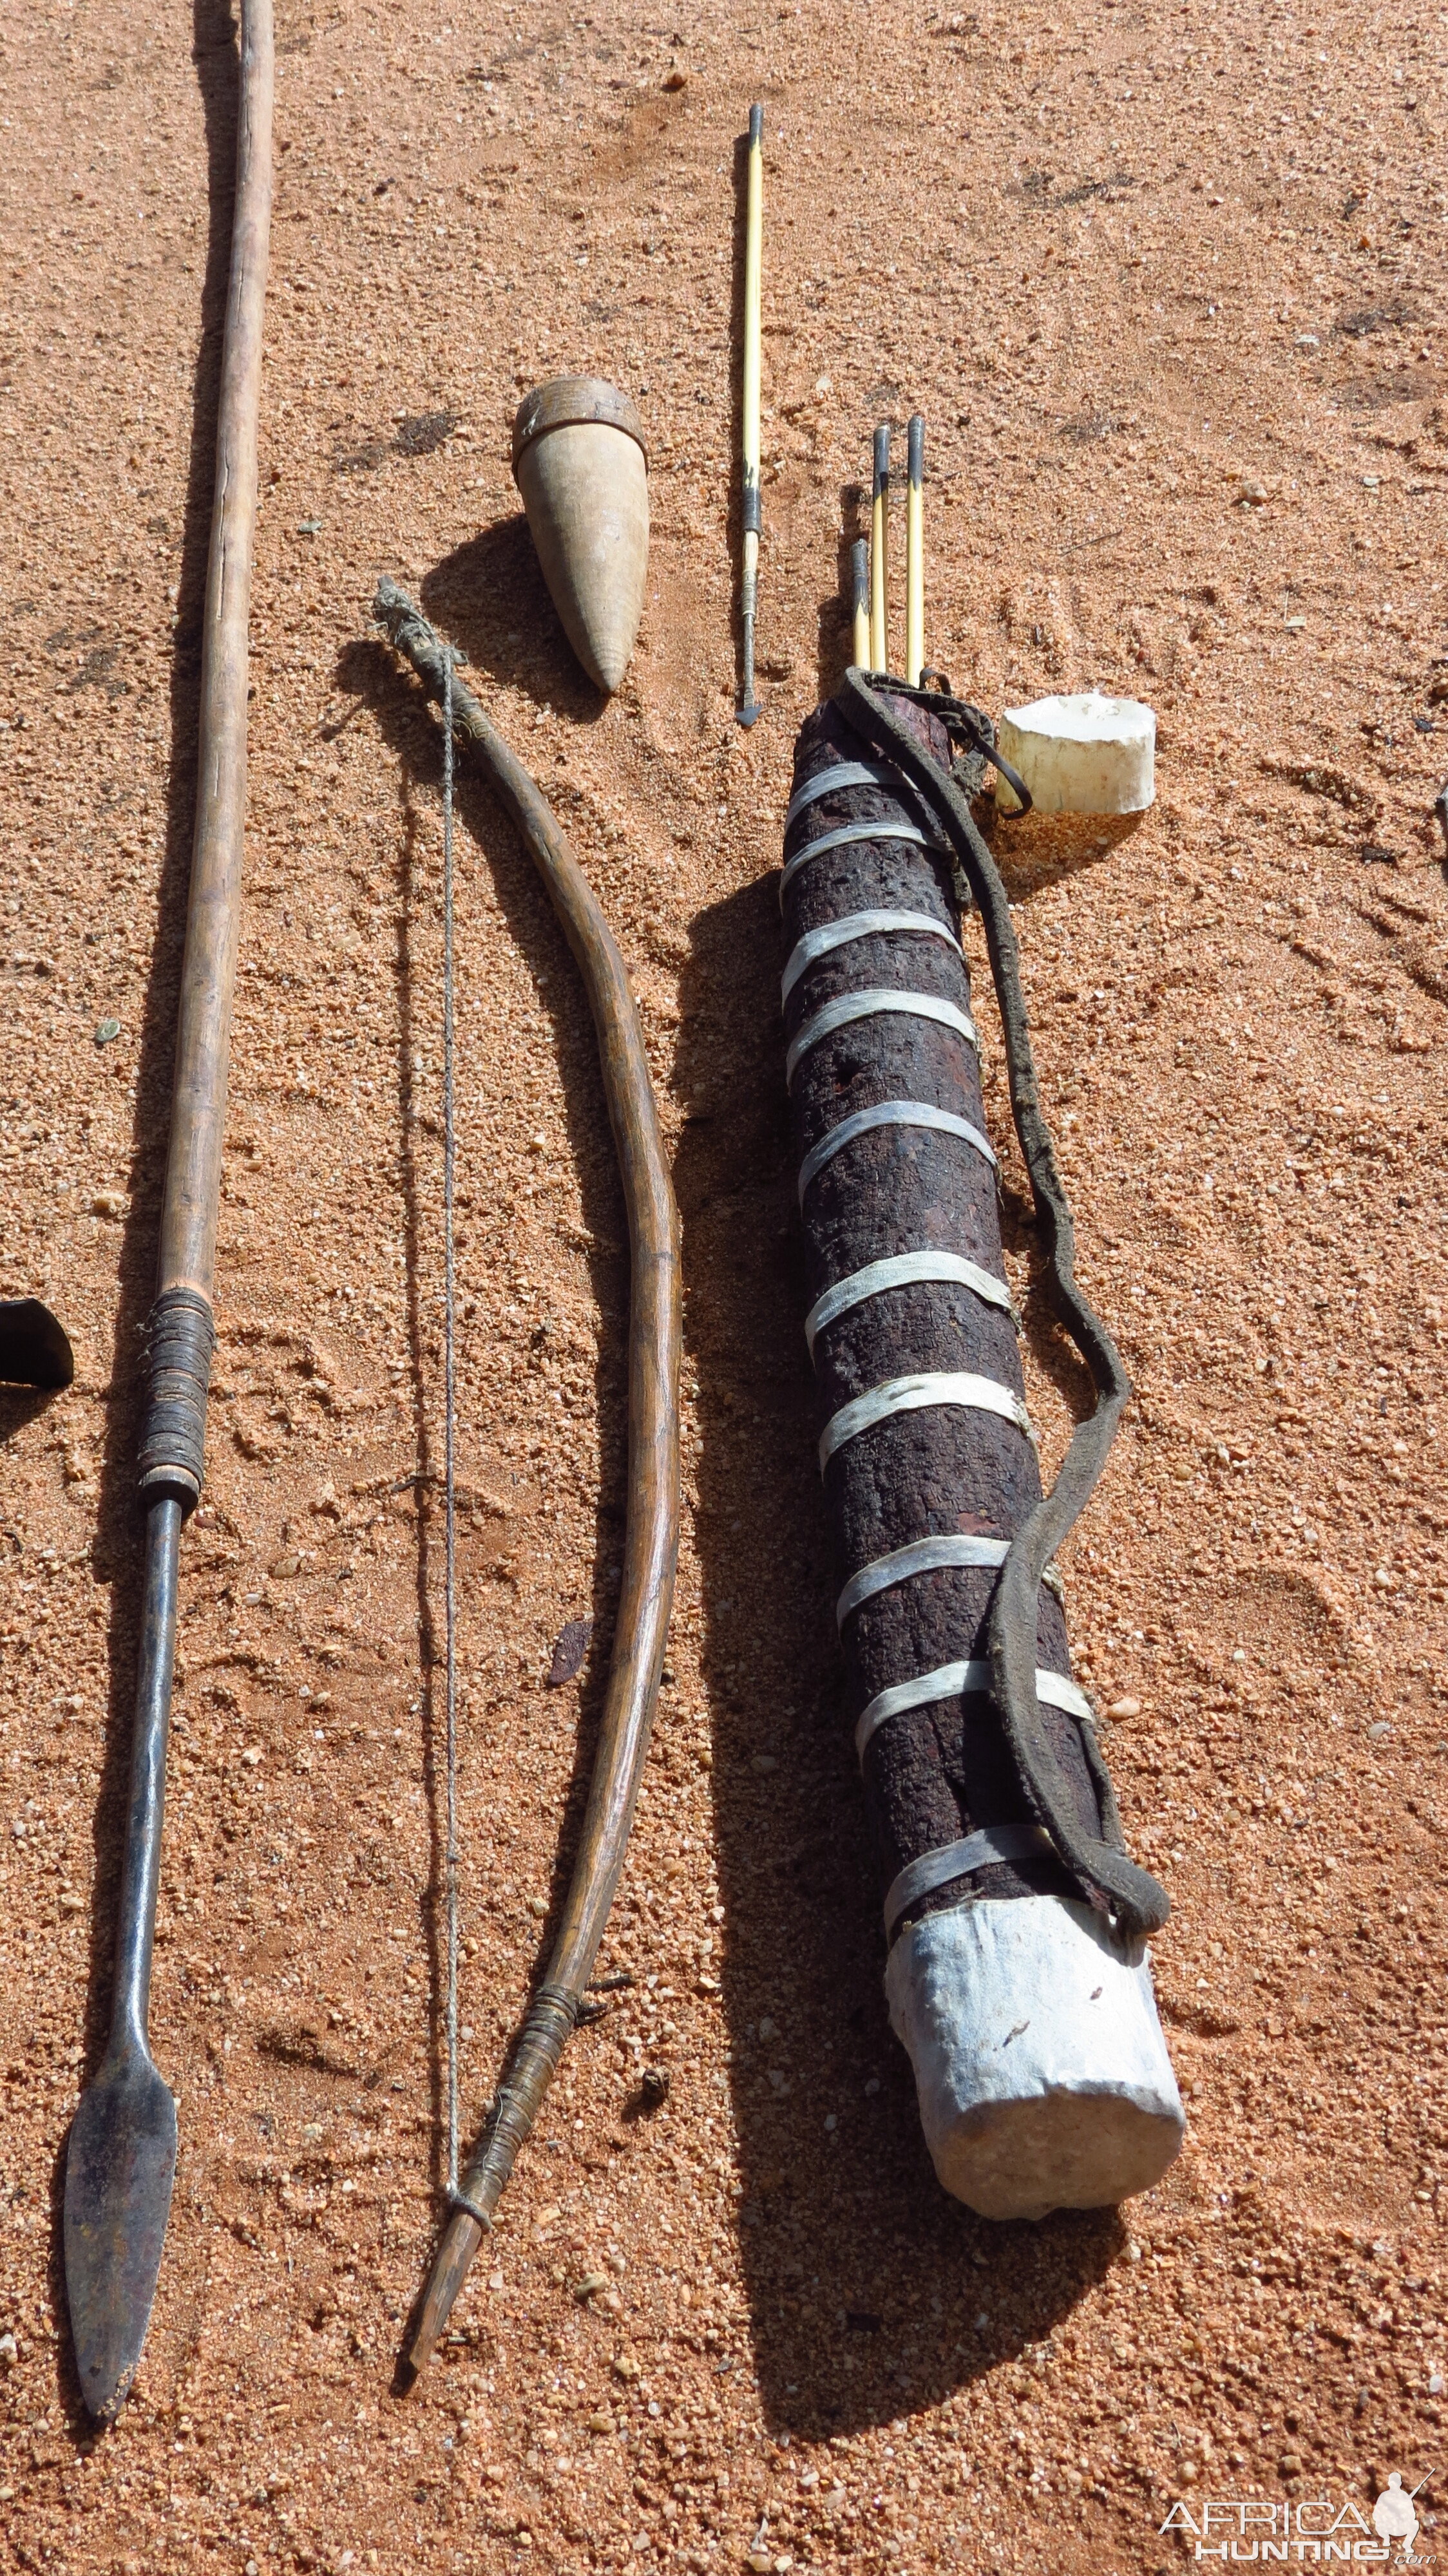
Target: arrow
[751,520]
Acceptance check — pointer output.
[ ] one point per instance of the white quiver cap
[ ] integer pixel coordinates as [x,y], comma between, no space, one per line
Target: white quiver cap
[1040,2066]
[1080,755]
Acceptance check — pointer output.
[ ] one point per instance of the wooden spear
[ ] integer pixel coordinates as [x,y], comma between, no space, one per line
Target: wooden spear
[121,2160]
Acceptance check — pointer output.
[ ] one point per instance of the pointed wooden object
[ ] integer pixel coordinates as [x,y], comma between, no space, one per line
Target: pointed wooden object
[578,458]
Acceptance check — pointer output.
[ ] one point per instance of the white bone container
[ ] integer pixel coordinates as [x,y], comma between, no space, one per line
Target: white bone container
[1087,754]
[1040,2066]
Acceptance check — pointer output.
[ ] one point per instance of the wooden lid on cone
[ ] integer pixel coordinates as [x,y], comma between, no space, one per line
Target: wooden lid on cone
[567,399]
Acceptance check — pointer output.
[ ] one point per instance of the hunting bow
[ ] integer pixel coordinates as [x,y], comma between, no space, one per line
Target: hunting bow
[651,1540]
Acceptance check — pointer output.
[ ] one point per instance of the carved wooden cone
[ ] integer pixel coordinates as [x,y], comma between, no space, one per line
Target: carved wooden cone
[578,459]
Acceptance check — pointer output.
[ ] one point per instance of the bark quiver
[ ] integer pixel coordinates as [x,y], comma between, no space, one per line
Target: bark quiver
[929,1470]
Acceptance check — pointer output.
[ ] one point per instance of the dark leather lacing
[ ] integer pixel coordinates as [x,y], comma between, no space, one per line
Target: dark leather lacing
[1100,1867]
[182,1338]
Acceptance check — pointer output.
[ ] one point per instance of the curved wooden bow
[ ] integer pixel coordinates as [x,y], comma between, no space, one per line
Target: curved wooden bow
[651,1542]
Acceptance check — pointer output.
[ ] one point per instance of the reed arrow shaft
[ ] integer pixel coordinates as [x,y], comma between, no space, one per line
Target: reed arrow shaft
[860,603]
[121,2160]
[880,552]
[915,551]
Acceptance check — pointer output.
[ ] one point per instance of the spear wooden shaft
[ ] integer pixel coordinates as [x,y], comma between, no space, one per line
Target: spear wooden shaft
[121,2159]
[198,1116]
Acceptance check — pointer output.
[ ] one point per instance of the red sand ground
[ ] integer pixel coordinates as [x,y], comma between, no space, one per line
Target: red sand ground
[1168,285]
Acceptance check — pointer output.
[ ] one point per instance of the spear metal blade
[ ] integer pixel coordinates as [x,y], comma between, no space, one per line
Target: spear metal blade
[119,2172]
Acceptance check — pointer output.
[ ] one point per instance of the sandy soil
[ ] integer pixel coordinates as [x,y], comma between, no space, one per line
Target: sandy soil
[1168,286]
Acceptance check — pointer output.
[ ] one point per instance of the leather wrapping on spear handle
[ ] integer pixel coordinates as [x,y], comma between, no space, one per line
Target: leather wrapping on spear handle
[181,1329]
[651,1543]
